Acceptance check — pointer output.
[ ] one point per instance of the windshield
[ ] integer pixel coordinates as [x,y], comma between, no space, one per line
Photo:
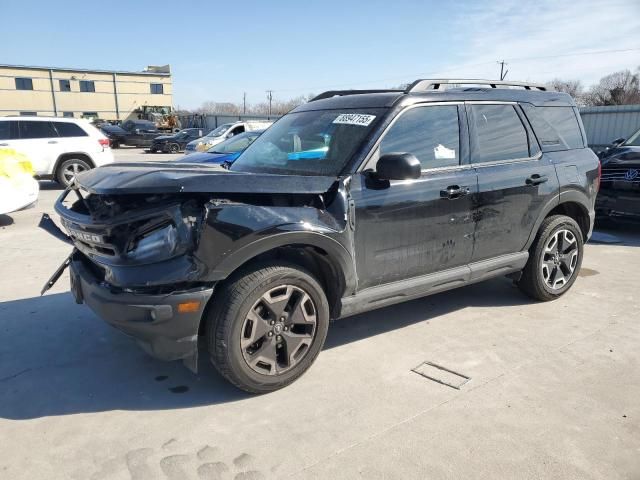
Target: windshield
[218,132]
[634,141]
[234,144]
[309,143]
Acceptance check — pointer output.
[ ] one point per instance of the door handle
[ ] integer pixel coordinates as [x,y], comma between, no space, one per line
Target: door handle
[52,141]
[4,144]
[536,179]
[453,191]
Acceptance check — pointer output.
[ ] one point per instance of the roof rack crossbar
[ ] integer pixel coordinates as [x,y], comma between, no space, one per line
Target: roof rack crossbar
[435,84]
[340,93]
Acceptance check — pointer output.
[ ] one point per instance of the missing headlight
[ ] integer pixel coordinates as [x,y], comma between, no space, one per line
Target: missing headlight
[159,243]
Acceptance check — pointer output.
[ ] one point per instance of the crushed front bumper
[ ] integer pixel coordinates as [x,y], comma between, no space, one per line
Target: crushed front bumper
[159,324]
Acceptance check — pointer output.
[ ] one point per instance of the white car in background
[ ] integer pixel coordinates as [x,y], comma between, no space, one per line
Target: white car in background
[58,148]
[224,132]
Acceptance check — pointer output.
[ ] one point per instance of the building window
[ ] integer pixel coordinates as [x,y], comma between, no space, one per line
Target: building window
[67,114]
[65,85]
[87,86]
[89,114]
[24,83]
[28,114]
[157,88]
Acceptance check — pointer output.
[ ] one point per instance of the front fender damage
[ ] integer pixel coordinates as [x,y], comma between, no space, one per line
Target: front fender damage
[144,298]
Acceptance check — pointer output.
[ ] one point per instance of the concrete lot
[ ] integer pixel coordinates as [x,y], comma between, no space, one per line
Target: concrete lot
[553,393]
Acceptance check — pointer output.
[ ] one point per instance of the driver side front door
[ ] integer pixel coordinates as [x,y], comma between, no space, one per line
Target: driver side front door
[408,228]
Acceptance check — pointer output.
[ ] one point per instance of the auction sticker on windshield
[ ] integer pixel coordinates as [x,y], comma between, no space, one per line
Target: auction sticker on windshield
[354,119]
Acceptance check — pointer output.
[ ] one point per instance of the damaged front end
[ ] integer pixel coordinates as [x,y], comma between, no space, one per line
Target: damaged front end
[147,262]
[133,264]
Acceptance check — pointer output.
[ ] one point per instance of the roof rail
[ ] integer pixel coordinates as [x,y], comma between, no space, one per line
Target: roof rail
[340,93]
[431,84]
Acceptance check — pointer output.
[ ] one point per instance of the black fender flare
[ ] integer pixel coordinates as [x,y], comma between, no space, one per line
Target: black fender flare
[59,160]
[567,196]
[338,256]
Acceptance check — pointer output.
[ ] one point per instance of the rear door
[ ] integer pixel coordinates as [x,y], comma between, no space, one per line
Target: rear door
[409,228]
[515,181]
[39,141]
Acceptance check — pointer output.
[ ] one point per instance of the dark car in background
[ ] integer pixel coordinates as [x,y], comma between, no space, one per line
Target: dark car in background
[619,195]
[132,133]
[225,152]
[175,143]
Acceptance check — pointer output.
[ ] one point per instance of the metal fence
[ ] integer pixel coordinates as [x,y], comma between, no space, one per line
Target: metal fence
[604,124]
[211,121]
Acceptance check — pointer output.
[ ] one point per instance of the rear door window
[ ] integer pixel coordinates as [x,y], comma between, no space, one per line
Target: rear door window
[431,133]
[555,127]
[32,130]
[498,134]
[66,129]
[8,130]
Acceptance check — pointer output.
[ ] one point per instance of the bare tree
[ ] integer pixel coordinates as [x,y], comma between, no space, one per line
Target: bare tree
[572,87]
[619,88]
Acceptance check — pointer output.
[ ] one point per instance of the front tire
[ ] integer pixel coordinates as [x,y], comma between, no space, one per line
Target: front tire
[267,326]
[68,170]
[555,259]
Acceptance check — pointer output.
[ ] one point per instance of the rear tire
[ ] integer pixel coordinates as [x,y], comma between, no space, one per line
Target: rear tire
[267,326]
[554,259]
[69,168]
[174,148]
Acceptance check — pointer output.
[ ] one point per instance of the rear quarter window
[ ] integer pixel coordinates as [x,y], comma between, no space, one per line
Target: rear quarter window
[66,129]
[557,128]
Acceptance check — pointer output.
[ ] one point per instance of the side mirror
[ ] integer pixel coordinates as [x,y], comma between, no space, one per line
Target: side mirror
[618,141]
[398,166]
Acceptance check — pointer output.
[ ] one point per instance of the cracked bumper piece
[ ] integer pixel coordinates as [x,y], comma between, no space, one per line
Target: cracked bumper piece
[164,325]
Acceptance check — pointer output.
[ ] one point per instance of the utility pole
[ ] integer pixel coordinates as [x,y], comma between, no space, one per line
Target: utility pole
[503,72]
[270,98]
[244,103]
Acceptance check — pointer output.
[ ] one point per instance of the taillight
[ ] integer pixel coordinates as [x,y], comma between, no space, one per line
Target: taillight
[599,175]
[104,142]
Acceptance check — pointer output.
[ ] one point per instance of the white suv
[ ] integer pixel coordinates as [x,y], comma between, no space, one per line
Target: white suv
[58,148]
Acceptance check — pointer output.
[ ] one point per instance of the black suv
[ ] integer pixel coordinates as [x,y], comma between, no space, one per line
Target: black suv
[354,201]
[619,196]
[133,133]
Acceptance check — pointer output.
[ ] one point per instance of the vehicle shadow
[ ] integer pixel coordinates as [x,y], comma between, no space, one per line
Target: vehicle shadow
[57,358]
[50,185]
[626,234]
[5,220]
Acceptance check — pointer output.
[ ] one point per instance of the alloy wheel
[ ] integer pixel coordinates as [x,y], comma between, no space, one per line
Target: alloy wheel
[278,330]
[71,171]
[559,259]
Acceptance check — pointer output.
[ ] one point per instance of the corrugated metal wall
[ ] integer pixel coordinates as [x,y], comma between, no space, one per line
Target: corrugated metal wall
[604,124]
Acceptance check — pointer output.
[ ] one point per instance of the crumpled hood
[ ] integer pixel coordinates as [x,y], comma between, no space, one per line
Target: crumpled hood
[160,177]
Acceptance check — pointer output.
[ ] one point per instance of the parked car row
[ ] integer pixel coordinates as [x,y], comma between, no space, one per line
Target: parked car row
[143,133]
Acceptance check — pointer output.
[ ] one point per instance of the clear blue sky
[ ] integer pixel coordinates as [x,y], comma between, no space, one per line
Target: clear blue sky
[218,50]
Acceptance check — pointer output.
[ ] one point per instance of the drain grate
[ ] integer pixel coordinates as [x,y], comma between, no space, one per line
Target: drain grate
[441,375]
